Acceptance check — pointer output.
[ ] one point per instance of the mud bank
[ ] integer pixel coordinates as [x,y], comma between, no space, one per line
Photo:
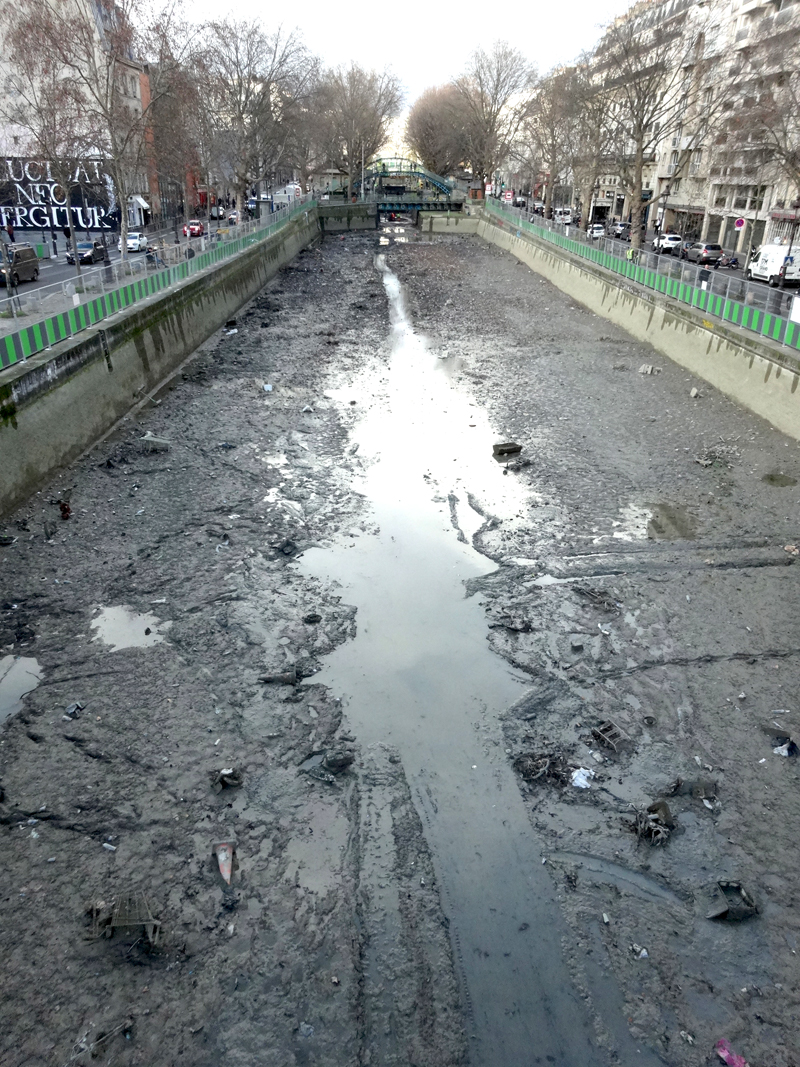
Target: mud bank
[245,548]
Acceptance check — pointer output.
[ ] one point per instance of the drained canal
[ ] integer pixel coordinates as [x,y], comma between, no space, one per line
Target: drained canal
[421,677]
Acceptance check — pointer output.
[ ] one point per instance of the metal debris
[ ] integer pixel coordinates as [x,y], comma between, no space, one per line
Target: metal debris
[506,448]
[731,901]
[654,824]
[129,910]
[543,766]
[699,788]
[609,734]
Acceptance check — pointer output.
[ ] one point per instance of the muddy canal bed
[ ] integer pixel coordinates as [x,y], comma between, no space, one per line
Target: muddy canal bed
[329,505]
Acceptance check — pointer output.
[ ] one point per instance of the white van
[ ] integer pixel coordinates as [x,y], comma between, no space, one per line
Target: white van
[563,214]
[767,262]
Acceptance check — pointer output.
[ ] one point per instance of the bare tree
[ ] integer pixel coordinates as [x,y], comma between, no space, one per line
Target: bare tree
[494,94]
[649,67]
[309,135]
[435,129]
[588,147]
[361,104]
[253,80]
[549,126]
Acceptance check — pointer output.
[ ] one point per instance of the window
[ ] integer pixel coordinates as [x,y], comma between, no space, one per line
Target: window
[673,163]
[676,138]
[720,196]
[697,159]
[740,199]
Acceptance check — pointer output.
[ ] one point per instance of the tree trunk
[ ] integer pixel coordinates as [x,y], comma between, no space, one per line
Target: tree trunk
[636,197]
[548,195]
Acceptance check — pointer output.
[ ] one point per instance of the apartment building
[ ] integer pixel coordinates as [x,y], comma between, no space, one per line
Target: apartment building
[714,176]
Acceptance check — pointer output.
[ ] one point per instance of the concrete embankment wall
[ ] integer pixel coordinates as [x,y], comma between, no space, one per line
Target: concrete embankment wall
[56,404]
[760,376]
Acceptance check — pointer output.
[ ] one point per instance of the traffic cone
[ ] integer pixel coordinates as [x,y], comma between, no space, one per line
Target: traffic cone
[224,851]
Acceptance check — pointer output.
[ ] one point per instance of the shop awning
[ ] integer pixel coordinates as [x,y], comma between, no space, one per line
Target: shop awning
[136,199]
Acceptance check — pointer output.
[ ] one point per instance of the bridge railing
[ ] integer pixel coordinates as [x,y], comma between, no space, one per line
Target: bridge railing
[720,294]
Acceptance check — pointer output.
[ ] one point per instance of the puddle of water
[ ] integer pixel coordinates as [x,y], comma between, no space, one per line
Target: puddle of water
[670,522]
[778,479]
[121,627]
[19,675]
[420,676]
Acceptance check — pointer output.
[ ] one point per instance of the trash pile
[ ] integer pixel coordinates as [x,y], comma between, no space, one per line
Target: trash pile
[719,455]
[227,778]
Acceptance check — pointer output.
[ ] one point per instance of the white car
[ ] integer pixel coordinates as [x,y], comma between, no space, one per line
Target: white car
[596,230]
[668,242]
[137,242]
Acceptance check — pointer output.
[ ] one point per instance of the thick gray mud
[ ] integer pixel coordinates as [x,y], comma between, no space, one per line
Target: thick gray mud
[631,565]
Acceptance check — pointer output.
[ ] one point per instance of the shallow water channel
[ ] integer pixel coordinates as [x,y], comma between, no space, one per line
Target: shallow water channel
[420,676]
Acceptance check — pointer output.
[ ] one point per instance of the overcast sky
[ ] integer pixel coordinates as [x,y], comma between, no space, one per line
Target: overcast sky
[428,44]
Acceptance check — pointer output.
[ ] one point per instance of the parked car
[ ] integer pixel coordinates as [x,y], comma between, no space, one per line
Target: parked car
[668,243]
[703,252]
[24,265]
[233,218]
[137,242]
[621,230]
[767,262]
[596,231]
[193,228]
[88,252]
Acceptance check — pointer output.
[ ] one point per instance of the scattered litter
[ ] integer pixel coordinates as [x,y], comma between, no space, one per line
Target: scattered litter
[72,711]
[581,777]
[109,848]
[224,851]
[312,619]
[708,804]
[653,824]
[793,550]
[267,388]
[648,368]
[576,644]
[506,448]
[694,394]
[308,410]
[783,742]
[227,778]
[229,325]
[6,540]
[606,918]
[229,332]
[639,952]
[543,766]
[306,1030]
[731,901]
[698,761]
[727,1055]
[65,509]
[49,531]
[334,979]
[609,734]
[324,766]
[150,443]
[283,678]
[687,1037]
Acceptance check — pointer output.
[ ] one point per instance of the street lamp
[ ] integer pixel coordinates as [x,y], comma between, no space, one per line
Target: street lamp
[785,264]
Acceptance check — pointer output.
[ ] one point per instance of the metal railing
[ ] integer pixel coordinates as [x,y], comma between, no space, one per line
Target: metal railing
[722,294]
[35,319]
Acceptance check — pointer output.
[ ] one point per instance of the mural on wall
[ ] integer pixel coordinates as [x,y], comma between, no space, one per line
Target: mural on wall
[32,199]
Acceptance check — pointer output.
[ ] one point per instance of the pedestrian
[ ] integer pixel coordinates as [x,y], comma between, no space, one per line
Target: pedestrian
[10,232]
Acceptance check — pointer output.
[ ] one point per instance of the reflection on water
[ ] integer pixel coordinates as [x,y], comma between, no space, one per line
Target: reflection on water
[420,675]
[19,675]
[121,627]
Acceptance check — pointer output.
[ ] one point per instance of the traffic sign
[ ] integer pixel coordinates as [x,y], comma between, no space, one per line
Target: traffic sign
[739,224]
[508,194]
